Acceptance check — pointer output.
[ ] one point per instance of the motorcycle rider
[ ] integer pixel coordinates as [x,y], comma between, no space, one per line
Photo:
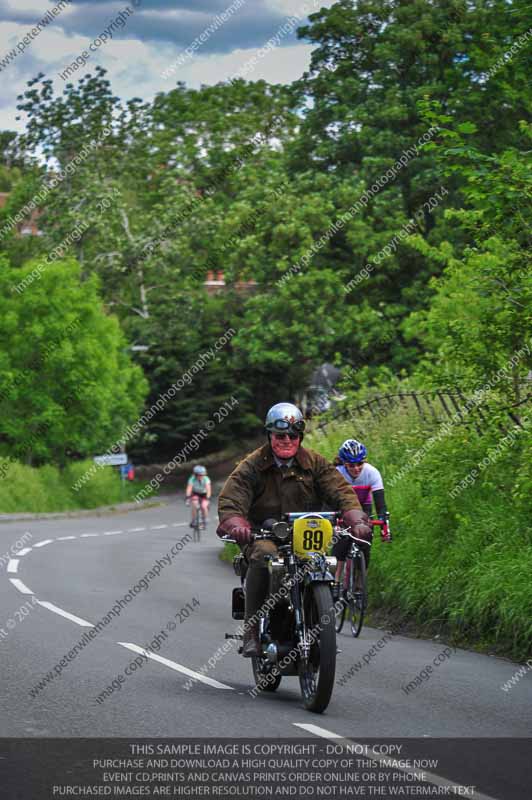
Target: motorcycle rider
[279,477]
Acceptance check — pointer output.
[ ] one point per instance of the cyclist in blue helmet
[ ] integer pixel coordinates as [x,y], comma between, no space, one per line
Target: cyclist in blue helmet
[366,481]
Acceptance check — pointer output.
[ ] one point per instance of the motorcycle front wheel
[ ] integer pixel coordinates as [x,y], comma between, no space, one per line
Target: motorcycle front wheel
[265,680]
[316,674]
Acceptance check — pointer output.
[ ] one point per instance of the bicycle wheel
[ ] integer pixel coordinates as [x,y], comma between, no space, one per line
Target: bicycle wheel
[316,674]
[357,593]
[195,525]
[340,608]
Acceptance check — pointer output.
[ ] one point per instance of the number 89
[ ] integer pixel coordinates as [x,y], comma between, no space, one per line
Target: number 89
[312,540]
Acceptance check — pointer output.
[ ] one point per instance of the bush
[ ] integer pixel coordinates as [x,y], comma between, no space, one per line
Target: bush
[47,489]
[461,564]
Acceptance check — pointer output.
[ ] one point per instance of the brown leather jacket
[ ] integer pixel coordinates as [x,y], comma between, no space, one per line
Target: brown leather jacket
[257,489]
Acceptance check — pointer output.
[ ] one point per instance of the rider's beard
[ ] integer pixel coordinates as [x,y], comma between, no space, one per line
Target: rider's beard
[285,449]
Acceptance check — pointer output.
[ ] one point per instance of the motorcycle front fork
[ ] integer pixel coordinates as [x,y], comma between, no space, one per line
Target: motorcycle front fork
[303,642]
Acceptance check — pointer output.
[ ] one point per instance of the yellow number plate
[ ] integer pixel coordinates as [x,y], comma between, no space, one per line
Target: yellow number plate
[311,535]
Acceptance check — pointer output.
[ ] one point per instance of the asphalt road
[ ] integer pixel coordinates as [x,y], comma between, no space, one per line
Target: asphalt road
[80,567]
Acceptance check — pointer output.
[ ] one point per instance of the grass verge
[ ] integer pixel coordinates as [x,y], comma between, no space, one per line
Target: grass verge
[47,489]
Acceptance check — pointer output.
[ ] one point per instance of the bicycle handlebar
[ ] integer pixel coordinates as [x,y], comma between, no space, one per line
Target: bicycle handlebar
[347,532]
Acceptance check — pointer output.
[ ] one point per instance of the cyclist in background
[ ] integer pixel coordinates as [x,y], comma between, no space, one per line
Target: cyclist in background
[199,492]
[366,481]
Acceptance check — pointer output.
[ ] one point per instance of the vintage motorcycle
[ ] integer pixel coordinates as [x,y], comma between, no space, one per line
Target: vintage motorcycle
[297,628]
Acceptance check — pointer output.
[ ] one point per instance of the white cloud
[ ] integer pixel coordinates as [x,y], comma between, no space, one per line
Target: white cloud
[135,66]
[299,7]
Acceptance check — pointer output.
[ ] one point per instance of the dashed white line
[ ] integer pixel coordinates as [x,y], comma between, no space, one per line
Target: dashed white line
[370,752]
[20,586]
[65,538]
[44,541]
[135,530]
[12,565]
[66,614]
[175,666]
[317,731]
[23,552]
[87,535]
[112,533]
[179,524]
[157,527]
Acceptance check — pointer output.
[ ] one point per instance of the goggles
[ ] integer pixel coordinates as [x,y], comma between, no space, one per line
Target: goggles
[284,425]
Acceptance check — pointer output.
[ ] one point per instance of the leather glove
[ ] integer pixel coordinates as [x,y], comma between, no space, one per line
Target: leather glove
[358,522]
[238,528]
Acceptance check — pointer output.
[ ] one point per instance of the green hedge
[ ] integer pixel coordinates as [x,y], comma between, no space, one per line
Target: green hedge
[458,565]
[48,489]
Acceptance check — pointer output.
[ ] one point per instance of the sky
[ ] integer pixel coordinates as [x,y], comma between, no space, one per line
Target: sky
[148,45]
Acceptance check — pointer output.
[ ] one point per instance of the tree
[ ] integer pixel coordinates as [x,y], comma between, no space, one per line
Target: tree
[480,316]
[285,334]
[375,60]
[68,387]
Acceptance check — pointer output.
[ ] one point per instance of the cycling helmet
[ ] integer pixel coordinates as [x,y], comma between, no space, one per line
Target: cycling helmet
[352,452]
[199,470]
[285,418]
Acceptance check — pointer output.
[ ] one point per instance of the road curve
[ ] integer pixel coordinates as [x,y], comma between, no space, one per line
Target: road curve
[70,573]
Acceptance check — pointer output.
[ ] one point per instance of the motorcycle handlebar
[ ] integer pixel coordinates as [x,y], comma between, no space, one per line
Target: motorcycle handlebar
[254,535]
[267,535]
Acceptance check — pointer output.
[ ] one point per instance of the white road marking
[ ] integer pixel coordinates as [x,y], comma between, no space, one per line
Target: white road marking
[179,524]
[112,533]
[134,530]
[86,535]
[157,527]
[20,586]
[23,552]
[319,731]
[44,541]
[64,538]
[429,777]
[66,614]
[12,565]
[177,667]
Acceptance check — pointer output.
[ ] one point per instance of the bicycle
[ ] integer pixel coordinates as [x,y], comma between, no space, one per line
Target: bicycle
[354,591]
[195,523]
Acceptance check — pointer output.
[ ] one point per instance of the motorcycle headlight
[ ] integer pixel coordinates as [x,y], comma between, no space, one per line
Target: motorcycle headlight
[281,530]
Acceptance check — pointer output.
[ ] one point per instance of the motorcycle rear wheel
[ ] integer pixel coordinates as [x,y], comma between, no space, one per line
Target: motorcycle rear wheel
[316,675]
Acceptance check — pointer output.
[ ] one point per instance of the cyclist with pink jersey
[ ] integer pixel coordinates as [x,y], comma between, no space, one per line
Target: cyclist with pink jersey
[366,481]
